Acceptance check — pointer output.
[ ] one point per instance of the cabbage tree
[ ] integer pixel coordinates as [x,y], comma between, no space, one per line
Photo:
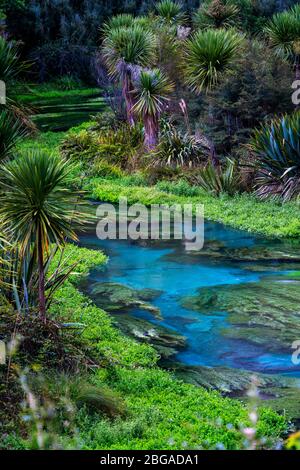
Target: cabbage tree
[283,31]
[37,208]
[152,95]
[125,51]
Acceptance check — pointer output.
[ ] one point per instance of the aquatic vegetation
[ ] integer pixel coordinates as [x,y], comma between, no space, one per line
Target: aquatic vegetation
[264,313]
[58,110]
[165,341]
[242,211]
[113,296]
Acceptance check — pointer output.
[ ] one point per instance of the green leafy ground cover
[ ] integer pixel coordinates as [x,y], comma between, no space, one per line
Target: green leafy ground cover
[162,412]
[242,211]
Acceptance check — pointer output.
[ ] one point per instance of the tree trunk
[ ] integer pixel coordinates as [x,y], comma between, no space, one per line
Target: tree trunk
[128,97]
[42,296]
[297,68]
[151,132]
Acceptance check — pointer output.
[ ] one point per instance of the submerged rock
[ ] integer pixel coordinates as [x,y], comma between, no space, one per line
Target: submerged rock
[112,297]
[166,342]
[214,250]
[265,313]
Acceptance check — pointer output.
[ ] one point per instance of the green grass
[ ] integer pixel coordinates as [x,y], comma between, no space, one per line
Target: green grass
[59,110]
[244,211]
[44,95]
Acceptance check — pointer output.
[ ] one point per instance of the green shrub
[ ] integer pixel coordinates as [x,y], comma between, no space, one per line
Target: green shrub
[80,146]
[180,188]
[218,180]
[115,146]
[67,83]
[124,134]
[106,170]
[157,173]
[106,120]
[177,149]
[116,154]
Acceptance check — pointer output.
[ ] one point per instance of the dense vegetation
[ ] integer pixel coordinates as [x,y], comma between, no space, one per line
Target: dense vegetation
[195,107]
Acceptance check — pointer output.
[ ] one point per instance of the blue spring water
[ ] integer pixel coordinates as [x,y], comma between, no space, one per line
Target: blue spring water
[165,266]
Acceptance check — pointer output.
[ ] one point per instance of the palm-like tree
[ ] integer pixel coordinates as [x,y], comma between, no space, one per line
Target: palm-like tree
[125,50]
[209,55]
[11,132]
[170,12]
[123,20]
[152,90]
[284,34]
[37,208]
[216,14]
[11,66]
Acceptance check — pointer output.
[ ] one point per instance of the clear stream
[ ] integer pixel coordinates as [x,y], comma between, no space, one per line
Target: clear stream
[167,267]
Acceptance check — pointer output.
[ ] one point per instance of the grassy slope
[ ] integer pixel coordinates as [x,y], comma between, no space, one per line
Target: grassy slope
[56,110]
[46,96]
[162,412]
[242,211]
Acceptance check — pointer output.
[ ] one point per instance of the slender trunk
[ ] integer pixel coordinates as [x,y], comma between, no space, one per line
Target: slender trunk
[128,97]
[297,76]
[42,296]
[297,68]
[214,157]
[151,132]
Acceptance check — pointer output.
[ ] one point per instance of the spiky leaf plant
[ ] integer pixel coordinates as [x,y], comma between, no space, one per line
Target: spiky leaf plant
[152,90]
[216,14]
[217,179]
[177,149]
[209,55]
[277,148]
[37,207]
[11,132]
[125,50]
[10,64]
[170,12]
[123,20]
[283,31]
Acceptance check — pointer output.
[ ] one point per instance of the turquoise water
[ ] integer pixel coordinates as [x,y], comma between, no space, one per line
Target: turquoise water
[166,267]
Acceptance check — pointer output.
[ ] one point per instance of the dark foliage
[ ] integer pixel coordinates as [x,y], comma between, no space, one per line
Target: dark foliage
[258,89]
